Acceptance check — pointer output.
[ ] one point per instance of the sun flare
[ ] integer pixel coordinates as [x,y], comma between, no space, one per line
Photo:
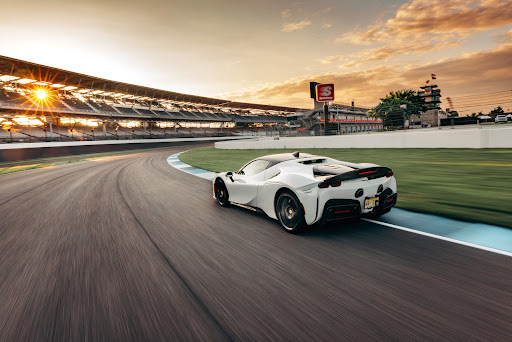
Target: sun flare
[41,94]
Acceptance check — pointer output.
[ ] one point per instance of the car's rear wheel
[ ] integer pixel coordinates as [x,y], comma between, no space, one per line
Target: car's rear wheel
[221,193]
[290,212]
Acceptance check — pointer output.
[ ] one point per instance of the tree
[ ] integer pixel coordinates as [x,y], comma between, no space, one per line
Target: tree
[473,115]
[497,110]
[389,108]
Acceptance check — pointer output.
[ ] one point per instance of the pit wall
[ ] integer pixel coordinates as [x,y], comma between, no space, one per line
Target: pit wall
[28,151]
[456,138]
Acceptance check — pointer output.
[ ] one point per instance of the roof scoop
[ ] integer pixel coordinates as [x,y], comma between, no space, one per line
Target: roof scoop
[296,154]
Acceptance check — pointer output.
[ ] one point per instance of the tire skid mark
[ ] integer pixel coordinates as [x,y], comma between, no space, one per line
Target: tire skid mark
[202,305]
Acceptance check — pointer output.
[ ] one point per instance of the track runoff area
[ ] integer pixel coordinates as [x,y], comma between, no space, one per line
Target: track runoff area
[482,236]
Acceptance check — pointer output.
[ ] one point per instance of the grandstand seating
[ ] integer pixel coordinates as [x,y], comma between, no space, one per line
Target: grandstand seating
[160,112]
[102,107]
[188,115]
[66,103]
[145,112]
[13,98]
[61,105]
[126,110]
[76,104]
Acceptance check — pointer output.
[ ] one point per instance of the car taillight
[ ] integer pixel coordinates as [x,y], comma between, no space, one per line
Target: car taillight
[334,184]
[389,174]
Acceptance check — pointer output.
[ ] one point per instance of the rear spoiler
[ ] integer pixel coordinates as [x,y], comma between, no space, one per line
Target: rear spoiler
[369,172]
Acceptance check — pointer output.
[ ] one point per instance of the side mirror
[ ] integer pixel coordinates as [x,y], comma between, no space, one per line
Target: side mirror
[229,175]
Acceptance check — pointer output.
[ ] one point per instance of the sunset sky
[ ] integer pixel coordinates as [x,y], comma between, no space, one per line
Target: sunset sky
[268,51]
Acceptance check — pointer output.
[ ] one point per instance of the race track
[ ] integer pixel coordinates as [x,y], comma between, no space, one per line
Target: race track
[130,249]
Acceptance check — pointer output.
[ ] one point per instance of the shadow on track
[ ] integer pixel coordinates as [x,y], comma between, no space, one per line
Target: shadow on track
[317,230]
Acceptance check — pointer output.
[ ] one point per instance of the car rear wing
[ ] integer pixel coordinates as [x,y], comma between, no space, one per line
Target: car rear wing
[369,172]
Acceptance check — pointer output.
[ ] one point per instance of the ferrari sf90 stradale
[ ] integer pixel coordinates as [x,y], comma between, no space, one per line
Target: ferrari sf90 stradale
[300,189]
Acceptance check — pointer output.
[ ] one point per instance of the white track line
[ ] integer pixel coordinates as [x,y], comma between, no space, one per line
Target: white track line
[439,237]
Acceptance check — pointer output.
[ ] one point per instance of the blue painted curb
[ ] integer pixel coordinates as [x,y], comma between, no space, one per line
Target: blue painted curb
[176,163]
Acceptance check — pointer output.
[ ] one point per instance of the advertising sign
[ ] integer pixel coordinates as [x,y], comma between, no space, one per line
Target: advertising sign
[324,92]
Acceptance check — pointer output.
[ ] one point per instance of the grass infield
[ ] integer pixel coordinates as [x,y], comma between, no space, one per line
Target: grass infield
[465,184]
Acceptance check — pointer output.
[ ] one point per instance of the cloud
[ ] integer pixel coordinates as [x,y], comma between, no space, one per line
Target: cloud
[286,14]
[478,72]
[326,25]
[388,51]
[333,59]
[421,18]
[290,27]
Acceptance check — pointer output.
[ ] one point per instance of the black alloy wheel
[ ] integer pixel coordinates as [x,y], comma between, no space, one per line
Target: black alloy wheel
[221,193]
[290,212]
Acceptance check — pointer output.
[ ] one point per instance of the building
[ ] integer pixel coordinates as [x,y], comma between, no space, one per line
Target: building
[432,96]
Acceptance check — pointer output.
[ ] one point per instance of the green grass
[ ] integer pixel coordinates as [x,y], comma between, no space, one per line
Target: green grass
[465,184]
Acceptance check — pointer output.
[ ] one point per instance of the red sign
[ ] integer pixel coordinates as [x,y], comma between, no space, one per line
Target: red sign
[324,92]
[302,128]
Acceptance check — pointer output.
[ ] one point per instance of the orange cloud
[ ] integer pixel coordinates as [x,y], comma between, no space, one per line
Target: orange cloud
[421,18]
[290,27]
[388,51]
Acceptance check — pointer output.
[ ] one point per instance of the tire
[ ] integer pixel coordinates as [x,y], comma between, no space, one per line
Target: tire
[290,212]
[221,193]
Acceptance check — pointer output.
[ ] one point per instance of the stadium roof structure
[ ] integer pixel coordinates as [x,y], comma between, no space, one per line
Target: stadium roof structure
[41,73]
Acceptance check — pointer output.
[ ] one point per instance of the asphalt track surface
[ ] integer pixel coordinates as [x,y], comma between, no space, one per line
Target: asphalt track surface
[131,249]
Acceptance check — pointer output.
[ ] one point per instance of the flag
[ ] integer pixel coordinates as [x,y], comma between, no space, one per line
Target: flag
[428,81]
[433,76]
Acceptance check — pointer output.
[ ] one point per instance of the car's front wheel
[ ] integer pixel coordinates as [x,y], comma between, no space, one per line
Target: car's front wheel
[290,212]
[221,193]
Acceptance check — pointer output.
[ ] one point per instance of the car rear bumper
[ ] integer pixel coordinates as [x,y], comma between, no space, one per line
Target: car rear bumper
[346,209]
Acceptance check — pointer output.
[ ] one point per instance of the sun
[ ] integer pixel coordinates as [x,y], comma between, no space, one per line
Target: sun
[41,94]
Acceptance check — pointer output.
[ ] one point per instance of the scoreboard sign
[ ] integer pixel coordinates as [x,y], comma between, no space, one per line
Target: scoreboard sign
[324,92]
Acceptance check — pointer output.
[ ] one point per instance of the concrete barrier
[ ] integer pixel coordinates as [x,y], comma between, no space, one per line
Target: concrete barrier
[27,151]
[496,137]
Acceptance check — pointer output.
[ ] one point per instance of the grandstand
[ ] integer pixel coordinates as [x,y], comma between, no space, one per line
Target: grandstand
[41,103]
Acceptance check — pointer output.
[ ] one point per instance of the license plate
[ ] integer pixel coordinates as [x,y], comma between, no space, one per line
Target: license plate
[370,203]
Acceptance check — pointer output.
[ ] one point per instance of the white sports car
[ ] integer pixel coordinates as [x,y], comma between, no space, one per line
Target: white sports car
[300,189]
